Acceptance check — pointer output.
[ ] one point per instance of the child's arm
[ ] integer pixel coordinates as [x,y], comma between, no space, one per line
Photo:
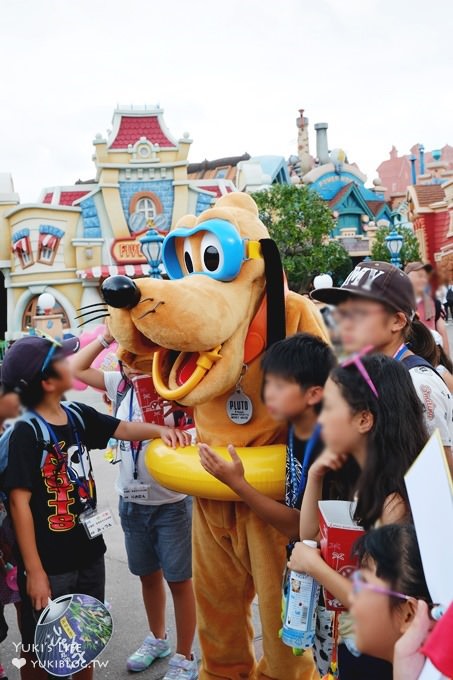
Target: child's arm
[284,519]
[139,432]
[309,518]
[38,587]
[308,560]
[81,363]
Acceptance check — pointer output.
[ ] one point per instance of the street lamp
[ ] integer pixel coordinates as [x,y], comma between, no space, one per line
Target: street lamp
[151,244]
[394,243]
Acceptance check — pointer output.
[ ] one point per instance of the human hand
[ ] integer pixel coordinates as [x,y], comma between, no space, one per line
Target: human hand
[231,474]
[408,661]
[38,589]
[108,337]
[325,462]
[305,559]
[173,437]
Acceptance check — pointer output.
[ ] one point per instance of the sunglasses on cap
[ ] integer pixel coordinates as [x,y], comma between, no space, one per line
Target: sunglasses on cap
[356,360]
[222,251]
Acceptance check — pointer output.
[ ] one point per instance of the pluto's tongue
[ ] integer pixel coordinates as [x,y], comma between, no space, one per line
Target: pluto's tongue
[186,368]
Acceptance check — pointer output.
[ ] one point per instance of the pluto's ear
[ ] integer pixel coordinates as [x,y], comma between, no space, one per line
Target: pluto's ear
[187,221]
[275,292]
[237,199]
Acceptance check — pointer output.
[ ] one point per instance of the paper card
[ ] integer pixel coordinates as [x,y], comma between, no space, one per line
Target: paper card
[430,492]
[429,672]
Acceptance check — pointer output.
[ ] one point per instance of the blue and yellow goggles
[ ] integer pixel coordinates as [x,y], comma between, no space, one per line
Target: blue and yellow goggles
[222,251]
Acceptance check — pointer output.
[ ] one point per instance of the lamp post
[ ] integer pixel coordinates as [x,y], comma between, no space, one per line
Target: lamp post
[394,243]
[151,244]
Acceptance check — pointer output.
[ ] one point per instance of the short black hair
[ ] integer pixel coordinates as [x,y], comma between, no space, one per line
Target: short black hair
[302,358]
[395,552]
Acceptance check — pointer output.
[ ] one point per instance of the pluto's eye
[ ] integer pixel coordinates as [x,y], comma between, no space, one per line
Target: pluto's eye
[188,259]
[212,257]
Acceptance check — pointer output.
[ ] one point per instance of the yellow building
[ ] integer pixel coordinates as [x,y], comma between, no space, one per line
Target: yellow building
[75,236]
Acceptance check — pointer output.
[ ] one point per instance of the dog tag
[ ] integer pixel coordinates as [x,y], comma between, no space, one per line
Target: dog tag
[239,407]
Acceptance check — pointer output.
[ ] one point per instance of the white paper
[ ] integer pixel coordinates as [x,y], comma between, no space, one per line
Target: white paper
[430,492]
[338,514]
[429,672]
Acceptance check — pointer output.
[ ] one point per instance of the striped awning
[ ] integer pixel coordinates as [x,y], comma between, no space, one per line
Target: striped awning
[132,270]
[21,245]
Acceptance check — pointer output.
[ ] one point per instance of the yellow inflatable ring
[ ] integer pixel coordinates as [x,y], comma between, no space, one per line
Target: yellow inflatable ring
[180,470]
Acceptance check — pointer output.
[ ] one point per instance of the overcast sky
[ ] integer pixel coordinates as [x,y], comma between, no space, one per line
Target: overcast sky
[233,73]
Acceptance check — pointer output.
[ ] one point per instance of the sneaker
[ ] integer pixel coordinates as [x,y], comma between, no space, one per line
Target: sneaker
[181,668]
[152,648]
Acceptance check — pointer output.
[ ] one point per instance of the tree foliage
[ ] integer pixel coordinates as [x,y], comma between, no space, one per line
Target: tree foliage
[300,222]
[410,251]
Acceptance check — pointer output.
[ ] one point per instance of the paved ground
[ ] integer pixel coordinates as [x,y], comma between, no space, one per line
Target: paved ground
[123,589]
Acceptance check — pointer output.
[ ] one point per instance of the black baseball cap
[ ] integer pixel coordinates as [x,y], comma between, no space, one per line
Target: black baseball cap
[24,361]
[379,281]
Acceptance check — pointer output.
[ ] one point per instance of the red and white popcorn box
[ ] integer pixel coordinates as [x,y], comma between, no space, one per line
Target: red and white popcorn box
[151,404]
[339,533]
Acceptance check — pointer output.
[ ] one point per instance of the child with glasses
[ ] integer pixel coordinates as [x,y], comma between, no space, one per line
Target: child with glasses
[376,306]
[370,445]
[52,493]
[385,590]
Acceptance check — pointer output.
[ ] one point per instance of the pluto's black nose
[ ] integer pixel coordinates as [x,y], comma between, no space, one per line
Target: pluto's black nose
[120,292]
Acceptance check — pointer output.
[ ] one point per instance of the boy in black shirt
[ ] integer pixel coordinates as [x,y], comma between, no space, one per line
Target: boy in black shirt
[295,372]
[51,485]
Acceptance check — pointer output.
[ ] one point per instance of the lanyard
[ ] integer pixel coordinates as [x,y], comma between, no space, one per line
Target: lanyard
[80,483]
[400,352]
[308,454]
[135,446]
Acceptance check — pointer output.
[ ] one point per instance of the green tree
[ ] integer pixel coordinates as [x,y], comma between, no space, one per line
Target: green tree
[410,251]
[300,222]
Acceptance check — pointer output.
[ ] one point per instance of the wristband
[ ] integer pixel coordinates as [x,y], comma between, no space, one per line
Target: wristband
[104,342]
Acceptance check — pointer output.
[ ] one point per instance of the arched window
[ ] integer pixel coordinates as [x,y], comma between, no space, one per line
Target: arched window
[31,309]
[146,207]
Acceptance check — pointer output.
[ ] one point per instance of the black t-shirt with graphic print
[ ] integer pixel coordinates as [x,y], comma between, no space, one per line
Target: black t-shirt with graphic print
[56,501]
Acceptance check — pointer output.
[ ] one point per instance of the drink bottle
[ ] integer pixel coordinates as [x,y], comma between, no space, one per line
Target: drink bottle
[300,599]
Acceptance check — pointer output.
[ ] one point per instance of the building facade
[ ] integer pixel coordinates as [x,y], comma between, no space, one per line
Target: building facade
[75,236]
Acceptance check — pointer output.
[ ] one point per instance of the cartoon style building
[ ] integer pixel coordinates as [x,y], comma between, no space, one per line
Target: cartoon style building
[398,172]
[75,236]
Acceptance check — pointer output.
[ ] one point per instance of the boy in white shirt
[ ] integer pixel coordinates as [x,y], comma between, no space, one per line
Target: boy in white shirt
[156,524]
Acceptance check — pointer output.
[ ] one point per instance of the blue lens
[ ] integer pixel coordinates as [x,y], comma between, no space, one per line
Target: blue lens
[221,256]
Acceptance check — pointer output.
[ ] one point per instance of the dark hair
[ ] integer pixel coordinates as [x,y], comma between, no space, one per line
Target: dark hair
[302,358]
[32,394]
[397,436]
[420,340]
[443,360]
[395,552]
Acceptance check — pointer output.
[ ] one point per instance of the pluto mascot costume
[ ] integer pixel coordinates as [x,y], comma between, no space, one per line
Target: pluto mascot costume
[207,328]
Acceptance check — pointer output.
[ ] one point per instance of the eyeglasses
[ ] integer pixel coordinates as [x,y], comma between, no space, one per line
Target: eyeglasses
[354,314]
[359,584]
[356,361]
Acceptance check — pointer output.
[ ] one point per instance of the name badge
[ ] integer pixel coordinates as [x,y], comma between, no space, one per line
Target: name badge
[136,492]
[95,522]
[239,407]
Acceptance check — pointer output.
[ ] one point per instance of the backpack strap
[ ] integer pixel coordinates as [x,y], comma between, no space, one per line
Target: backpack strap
[121,392]
[414,361]
[75,411]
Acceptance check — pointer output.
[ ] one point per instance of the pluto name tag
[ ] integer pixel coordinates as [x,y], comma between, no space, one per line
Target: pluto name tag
[239,408]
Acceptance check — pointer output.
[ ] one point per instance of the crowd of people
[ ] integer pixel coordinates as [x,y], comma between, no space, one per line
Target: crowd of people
[355,427]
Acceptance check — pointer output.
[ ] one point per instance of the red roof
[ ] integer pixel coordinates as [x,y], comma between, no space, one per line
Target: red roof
[340,193]
[133,127]
[375,206]
[48,198]
[68,197]
[429,193]
[215,189]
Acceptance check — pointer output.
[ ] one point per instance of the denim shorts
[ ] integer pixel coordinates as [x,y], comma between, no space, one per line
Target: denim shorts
[89,580]
[158,537]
